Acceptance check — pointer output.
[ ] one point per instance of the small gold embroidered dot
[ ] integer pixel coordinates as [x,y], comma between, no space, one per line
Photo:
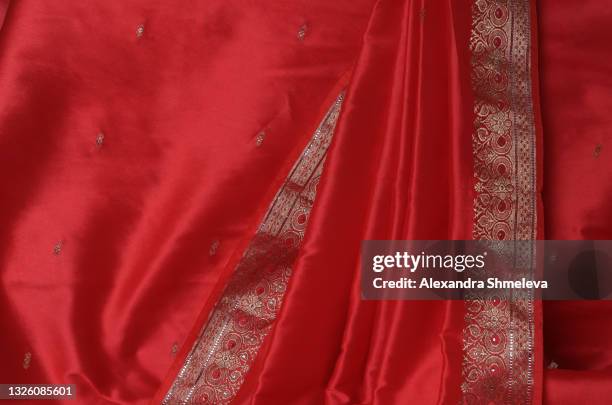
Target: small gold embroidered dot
[597,151]
[213,247]
[57,249]
[174,349]
[422,14]
[140,31]
[260,138]
[553,365]
[99,140]
[301,34]
[27,359]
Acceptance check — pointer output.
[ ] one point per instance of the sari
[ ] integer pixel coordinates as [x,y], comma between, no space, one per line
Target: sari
[187,188]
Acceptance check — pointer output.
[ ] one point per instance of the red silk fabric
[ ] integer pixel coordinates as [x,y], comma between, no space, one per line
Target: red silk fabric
[179,169]
[401,170]
[115,246]
[576,101]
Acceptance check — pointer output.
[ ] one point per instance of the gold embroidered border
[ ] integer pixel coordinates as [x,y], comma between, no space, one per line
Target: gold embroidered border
[225,349]
[498,336]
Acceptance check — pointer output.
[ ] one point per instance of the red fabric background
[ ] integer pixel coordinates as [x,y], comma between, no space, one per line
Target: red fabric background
[180,108]
[400,168]
[576,79]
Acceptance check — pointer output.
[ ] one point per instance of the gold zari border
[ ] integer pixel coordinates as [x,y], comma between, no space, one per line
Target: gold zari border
[227,345]
[498,336]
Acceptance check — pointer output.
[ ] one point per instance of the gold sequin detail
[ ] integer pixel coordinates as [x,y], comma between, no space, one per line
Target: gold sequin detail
[597,151]
[57,249]
[175,348]
[99,140]
[213,247]
[259,139]
[140,31]
[553,365]
[27,359]
[301,34]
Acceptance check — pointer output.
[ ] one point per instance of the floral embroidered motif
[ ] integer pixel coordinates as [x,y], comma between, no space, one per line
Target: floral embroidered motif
[498,335]
[422,14]
[259,139]
[214,246]
[27,359]
[301,34]
[228,343]
[57,249]
[597,151]
[99,140]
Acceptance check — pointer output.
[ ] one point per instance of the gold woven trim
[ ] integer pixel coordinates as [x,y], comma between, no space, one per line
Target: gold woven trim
[227,345]
[498,336]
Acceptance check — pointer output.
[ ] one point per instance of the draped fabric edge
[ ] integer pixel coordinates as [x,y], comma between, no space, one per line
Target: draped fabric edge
[501,350]
[220,354]
[501,336]
[4,9]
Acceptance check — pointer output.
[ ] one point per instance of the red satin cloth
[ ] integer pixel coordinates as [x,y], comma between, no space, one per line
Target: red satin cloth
[179,168]
[112,246]
[576,103]
[399,169]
